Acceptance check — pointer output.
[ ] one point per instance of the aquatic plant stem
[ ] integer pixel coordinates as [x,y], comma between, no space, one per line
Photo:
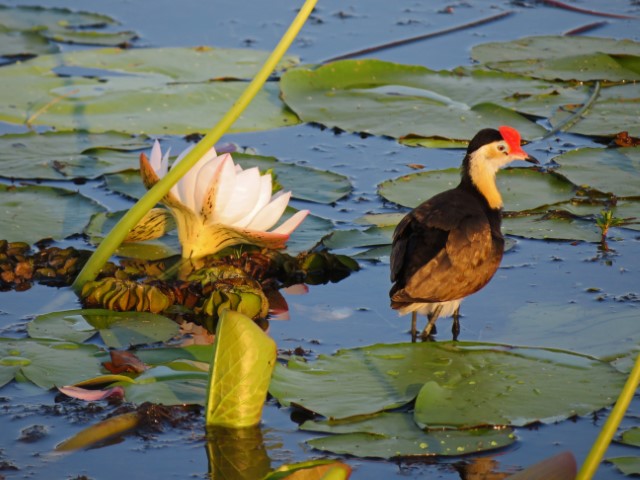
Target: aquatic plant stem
[115,237]
[610,427]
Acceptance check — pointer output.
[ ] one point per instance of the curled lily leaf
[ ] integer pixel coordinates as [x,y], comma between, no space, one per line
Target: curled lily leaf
[217,204]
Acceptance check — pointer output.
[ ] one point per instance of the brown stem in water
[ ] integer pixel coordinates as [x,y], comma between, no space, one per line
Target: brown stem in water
[405,41]
[556,3]
[585,28]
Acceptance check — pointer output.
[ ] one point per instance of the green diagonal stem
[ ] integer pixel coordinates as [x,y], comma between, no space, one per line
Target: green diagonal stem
[116,236]
[610,427]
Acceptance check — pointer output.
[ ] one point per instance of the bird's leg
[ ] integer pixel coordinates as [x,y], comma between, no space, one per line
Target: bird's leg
[432,317]
[414,321]
[455,328]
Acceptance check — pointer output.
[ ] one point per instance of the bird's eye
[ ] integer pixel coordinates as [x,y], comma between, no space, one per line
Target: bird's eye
[502,147]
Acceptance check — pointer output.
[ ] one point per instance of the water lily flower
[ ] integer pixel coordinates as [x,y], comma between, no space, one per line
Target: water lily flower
[218,204]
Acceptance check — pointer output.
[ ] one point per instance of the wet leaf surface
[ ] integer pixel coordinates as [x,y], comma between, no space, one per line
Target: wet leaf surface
[116,329]
[30,213]
[153,91]
[67,155]
[564,57]
[395,434]
[396,100]
[46,363]
[466,384]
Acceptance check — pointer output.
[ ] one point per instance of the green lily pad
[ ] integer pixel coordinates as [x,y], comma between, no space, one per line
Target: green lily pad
[552,225]
[394,434]
[564,57]
[488,383]
[47,363]
[353,238]
[63,155]
[521,188]
[631,437]
[608,170]
[397,100]
[305,183]
[525,386]
[16,44]
[117,329]
[31,213]
[627,465]
[615,110]
[64,25]
[602,329]
[155,91]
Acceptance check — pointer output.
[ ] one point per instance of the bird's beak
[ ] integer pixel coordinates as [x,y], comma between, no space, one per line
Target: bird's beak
[520,154]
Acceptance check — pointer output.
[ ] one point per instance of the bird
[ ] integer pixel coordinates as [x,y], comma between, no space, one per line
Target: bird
[451,245]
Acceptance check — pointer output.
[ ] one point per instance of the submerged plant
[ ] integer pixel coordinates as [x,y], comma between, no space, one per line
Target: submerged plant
[217,204]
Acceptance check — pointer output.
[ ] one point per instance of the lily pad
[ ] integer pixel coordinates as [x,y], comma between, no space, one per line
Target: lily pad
[64,25]
[522,385]
[167,386]
[66,155]
[609,170]
[47,363]
[117,329]
[395,434]
[615,110]
[553,225]
[305,183]
[631,437]
[563,57]
[398,100]
[602,329]
[23,44]
[521,188]
[353,238]
[155,91]
[31,213]
[627,465]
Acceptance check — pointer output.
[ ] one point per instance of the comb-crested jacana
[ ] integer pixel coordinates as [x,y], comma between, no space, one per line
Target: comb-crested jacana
[450,246]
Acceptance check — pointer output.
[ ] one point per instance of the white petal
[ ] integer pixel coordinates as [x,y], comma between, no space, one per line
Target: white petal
[244,197]
[224,188]
[270,214]
[292,223]
[186,187]
[207,176]
[155,159]
[264,196]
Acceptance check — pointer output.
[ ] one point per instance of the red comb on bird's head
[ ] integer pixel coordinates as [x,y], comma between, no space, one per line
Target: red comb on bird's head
[512,137]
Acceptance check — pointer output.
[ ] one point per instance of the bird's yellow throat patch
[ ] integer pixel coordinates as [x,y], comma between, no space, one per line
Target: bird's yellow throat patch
[483,176]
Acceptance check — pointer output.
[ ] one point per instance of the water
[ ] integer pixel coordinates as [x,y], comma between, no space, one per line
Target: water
[354,312]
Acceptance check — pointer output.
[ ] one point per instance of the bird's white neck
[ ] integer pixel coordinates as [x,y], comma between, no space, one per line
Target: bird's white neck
[483,176]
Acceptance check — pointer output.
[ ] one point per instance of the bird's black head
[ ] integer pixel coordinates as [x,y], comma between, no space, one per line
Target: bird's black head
[483,137]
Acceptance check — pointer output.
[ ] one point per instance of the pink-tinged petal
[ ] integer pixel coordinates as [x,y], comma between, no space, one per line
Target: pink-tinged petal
[243,199]
[271,213]
[92,395]
[292,223]
[297,289]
